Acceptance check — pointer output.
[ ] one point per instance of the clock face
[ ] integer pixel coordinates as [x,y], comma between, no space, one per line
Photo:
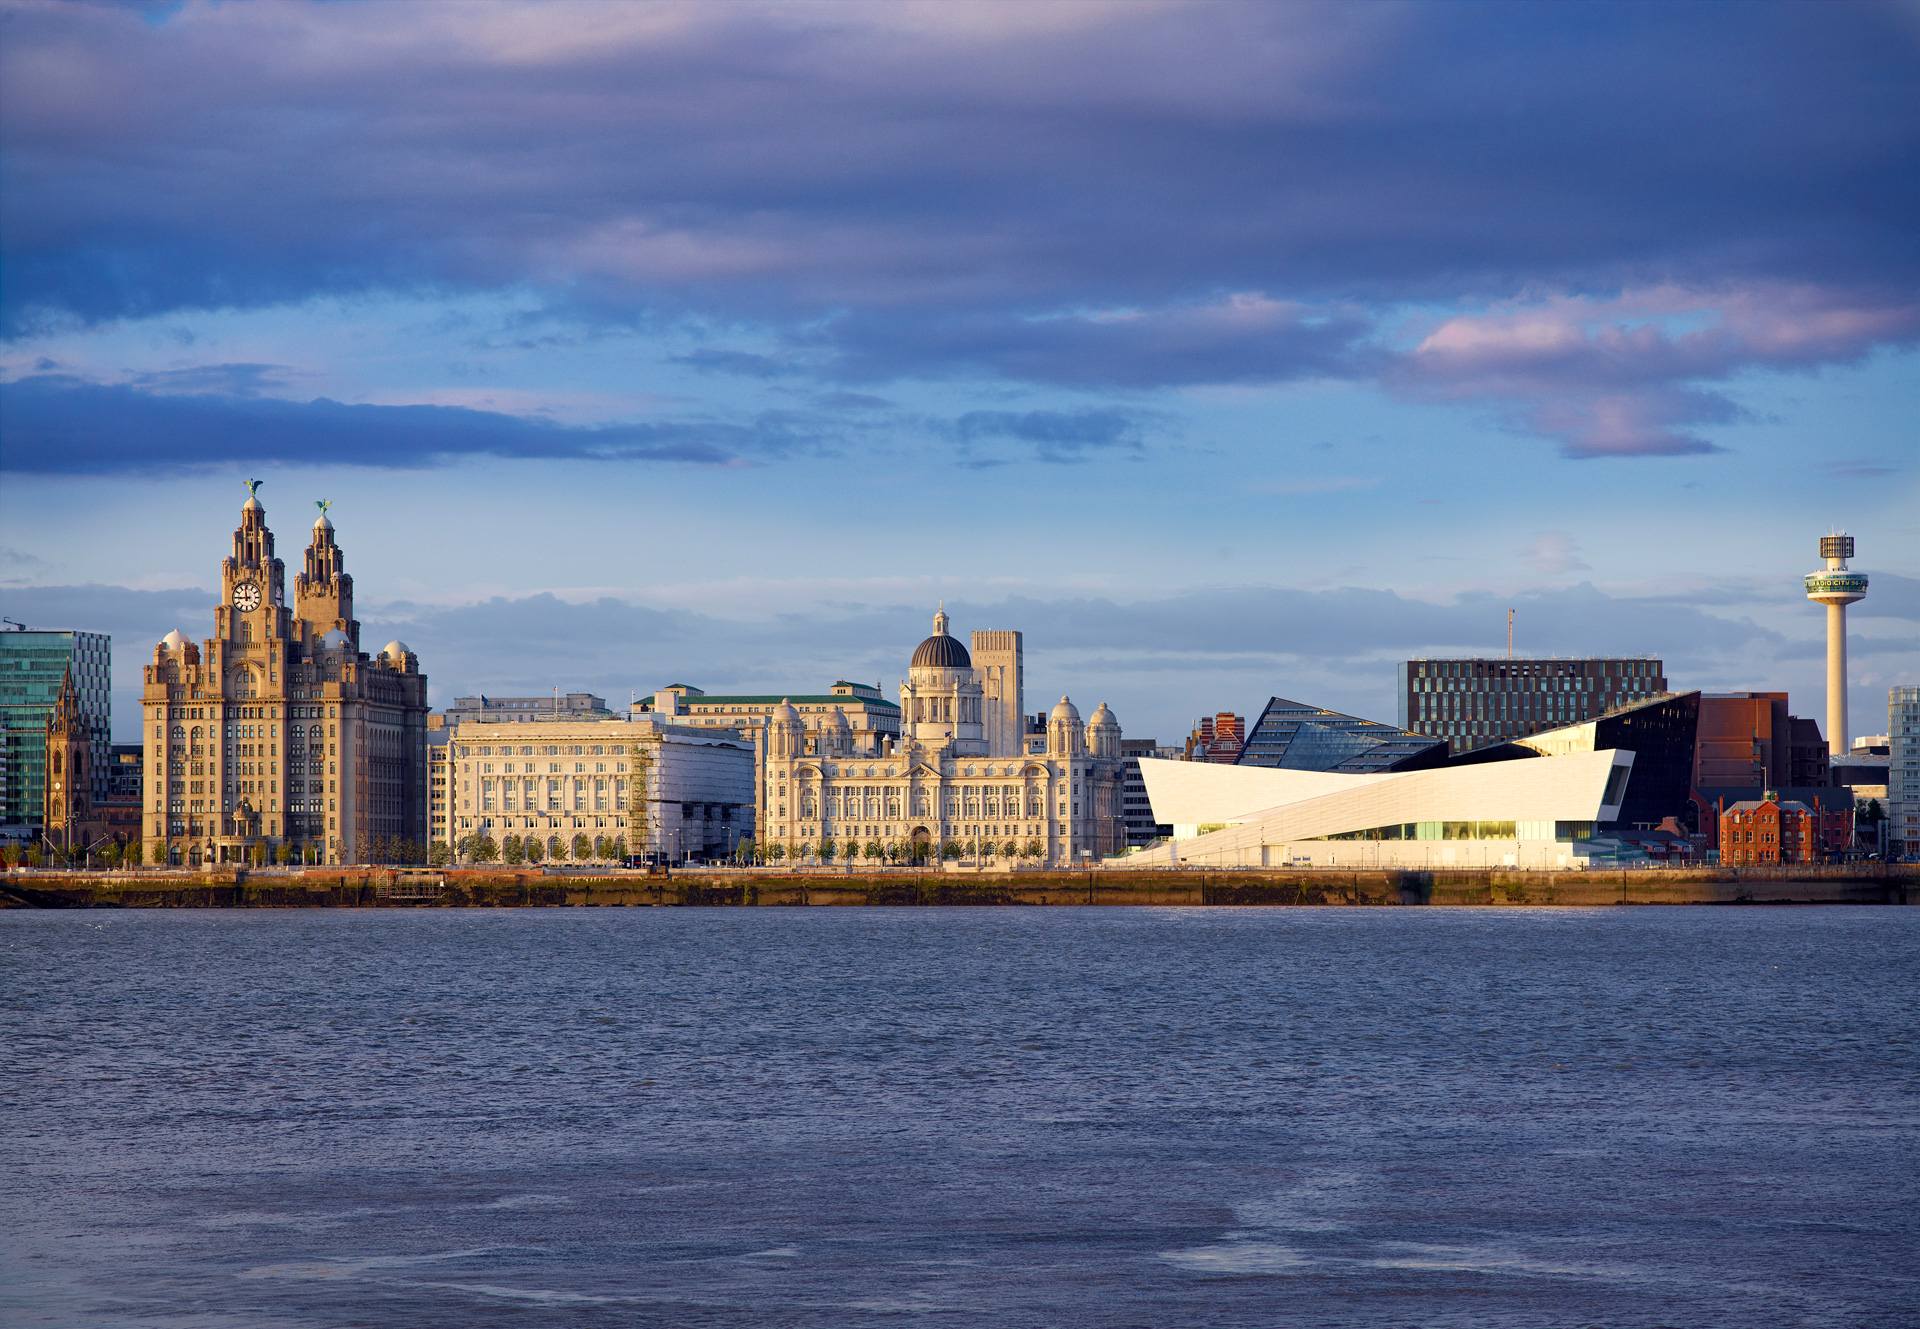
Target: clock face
[246,597]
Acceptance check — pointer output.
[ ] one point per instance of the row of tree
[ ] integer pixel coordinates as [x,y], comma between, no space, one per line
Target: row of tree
[890,851]
[514,850]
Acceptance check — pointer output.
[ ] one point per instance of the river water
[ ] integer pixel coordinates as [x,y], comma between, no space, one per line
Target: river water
[866,1117]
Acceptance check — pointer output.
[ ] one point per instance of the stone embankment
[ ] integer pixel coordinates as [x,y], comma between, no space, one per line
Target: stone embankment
[379,888]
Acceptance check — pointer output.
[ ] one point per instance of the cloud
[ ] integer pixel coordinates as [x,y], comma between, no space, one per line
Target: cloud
[950,176]
[1555,554]
[746,364]
[1056,436]
[1629,375]
[56,424]
[1241,338]
[231,380]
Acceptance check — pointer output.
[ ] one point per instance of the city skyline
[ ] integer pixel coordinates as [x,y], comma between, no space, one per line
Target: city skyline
[719,345]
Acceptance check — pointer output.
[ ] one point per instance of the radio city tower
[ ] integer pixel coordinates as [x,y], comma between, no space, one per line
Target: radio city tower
[1836,588]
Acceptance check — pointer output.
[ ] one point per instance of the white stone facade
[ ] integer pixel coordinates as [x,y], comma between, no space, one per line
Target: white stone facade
[651,786]
[957,775]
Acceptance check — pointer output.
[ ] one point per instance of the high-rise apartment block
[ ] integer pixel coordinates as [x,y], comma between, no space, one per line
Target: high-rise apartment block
[1474,702]
[1903,771]
[278,732]
[34,667]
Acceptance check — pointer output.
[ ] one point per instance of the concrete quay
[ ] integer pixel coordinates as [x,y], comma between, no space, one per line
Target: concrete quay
[382,888]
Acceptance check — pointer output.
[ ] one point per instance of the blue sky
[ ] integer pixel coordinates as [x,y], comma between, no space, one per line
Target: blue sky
[1225,349]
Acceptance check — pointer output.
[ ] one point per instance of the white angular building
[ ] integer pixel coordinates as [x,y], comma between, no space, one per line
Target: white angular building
[1536,814]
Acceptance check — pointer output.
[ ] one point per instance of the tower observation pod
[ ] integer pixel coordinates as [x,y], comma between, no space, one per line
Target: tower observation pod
[1836,588]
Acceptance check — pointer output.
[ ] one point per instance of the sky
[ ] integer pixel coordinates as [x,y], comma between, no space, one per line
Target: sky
[1226,350]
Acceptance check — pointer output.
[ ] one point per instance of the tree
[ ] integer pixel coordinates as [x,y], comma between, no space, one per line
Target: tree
[556,849]
[828,850]
[743,852]
[973,847]
[776,852]
[950,849]
[257,854]
[438,855]
[485,850]
[873,851]
[602,847]
[619,847]
[7,858]
[284,854]
[1011,849]
[582,847]
[513,851]
[850,850]
[532,849]
[1035,849]
[804,850]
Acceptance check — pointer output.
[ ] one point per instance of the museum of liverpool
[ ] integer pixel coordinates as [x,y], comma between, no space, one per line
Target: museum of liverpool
[1541,813]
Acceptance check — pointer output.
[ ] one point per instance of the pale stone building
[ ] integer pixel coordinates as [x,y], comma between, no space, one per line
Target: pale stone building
[594,789]
[277,730]
[957,773]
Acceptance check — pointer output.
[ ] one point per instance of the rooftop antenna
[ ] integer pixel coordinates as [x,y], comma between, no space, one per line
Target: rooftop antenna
[1509,634]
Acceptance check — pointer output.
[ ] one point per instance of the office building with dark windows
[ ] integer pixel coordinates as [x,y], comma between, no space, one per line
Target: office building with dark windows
[1294,735]
[34,667]
[1472,703]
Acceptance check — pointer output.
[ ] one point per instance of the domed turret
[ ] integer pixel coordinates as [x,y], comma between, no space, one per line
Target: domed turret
[941,651]
[1065,737]
[173,641]
[1103,733]
[836,735]
[786,732]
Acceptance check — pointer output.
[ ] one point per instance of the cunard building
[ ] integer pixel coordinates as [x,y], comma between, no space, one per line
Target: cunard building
[277,736]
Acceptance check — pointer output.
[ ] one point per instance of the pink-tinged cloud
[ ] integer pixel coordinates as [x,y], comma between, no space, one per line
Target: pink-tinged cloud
[1637,374]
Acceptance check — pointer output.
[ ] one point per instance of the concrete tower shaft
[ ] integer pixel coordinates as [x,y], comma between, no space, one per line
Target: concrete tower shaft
[1836,587]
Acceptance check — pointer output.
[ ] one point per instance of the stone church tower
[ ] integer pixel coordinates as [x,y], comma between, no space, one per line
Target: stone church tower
[69,810]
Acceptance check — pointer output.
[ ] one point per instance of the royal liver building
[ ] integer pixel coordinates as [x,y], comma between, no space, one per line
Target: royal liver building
[277,737]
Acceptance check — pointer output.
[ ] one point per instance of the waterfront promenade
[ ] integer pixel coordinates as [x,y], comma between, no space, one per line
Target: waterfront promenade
[334,888]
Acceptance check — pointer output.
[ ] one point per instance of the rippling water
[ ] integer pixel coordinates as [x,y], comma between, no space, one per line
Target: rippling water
[1394,1117]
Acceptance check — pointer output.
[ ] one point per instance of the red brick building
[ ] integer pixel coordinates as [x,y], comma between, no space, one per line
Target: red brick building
[1217,738]
[1765,831]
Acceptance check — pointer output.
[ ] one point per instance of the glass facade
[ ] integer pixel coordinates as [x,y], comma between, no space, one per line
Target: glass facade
[1566,831]
[32,663]
[1474,703]
[1294,736]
